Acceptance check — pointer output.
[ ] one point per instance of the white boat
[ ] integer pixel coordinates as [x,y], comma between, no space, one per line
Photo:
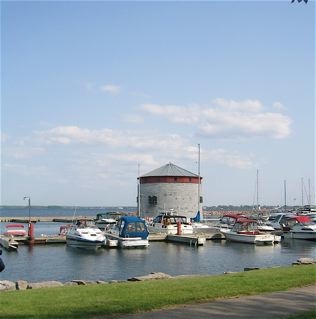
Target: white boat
[129,232]
[246,231]
[106,220]
[171,224]
[83,235]
[9,243]
[299,227]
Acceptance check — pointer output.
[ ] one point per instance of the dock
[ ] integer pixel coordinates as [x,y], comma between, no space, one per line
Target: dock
[198,238]
[47,219]
[192,240]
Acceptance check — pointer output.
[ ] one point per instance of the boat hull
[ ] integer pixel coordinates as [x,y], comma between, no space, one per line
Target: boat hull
[133,243]
[301,235]
[84,243]
[264,239]
[171,229]
[8,243]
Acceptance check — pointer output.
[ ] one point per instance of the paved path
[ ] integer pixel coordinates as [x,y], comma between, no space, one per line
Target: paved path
[265,306]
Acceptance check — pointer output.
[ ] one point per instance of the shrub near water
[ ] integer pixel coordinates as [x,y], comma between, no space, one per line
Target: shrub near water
[93,300]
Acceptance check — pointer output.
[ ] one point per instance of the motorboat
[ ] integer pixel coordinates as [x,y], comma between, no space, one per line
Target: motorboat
[228,220]
[15,229]
[276,220]
[9,243]
[299,227]
[85,235]
[171,224]
[106,220]
[129,232]
[246,231]
[199,225]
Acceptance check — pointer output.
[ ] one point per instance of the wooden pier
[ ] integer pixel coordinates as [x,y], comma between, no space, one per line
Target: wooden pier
[47,219]
[192,240]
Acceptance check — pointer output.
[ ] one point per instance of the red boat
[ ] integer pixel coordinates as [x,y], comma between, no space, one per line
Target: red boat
[15,230]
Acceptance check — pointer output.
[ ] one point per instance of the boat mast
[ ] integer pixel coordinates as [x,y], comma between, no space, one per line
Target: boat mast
[138,192]
[309,192]
[199,178]
[302,184]
[284,195]
[257,189]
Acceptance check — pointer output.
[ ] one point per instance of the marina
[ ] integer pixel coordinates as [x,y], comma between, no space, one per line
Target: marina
[49,258]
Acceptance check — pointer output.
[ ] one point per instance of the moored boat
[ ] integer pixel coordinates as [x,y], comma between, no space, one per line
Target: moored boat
[15,229]
[106,220]
[171,224]
[83,235]
[9,243]
[299,227]
[130,232]
[246,231]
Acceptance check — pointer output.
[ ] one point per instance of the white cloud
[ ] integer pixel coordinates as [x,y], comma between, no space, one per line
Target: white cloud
[74,134]
[231,159]
[111,89]
[241,106]
[175,113]
[226,118]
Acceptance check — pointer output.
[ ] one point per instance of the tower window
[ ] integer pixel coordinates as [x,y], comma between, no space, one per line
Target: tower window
[152,200]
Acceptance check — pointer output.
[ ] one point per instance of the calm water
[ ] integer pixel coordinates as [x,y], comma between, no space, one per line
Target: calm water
[59,262]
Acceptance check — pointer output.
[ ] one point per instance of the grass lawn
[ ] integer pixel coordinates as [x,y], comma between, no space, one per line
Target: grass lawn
[128,297]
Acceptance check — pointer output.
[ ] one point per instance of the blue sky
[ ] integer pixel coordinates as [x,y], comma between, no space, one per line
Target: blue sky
[95,92]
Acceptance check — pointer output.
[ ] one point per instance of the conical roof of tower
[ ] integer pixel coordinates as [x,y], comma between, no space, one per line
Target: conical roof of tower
[170,170]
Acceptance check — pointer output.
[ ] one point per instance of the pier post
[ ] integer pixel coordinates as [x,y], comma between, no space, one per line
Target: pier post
[179,231]
[31,232]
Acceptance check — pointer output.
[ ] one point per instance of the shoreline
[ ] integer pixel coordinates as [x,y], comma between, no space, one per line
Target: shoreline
[7,285]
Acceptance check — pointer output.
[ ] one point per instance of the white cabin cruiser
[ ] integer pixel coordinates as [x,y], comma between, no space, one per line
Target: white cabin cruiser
[171,224]
[129,232]
[299,227]
[246,231]
[84,235]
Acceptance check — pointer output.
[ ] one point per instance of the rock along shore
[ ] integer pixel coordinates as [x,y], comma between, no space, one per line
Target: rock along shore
[6,285]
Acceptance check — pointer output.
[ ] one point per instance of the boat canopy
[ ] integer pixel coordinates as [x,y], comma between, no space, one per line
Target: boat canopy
[15,226]
[114,215]
[303,219]
[132,226]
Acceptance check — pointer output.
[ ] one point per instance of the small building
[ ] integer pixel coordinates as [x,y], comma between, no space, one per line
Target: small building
[169,188]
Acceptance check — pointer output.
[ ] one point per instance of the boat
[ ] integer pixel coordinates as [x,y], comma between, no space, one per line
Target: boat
[15,229]
[246,231]
[130,232]
[228,220]
[85,235]
[9,243]
[171,224]
[299,227]
[308,210]
[198,225]
[106,220]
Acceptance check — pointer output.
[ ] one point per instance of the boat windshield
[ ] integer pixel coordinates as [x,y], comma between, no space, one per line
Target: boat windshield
[136,227]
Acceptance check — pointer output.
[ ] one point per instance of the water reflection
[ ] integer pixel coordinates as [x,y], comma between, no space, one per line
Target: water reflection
[59,262]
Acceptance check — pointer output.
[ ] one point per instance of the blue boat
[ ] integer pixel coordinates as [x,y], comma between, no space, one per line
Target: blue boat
[130,231]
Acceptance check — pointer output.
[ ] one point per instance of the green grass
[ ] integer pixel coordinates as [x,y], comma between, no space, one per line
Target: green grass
[128,297]
[304,315]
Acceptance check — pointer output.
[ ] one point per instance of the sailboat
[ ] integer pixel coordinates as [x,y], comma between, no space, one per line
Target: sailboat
[262,218]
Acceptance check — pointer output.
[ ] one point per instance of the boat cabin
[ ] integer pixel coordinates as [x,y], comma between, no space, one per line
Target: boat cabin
[132,226]
[246,226]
